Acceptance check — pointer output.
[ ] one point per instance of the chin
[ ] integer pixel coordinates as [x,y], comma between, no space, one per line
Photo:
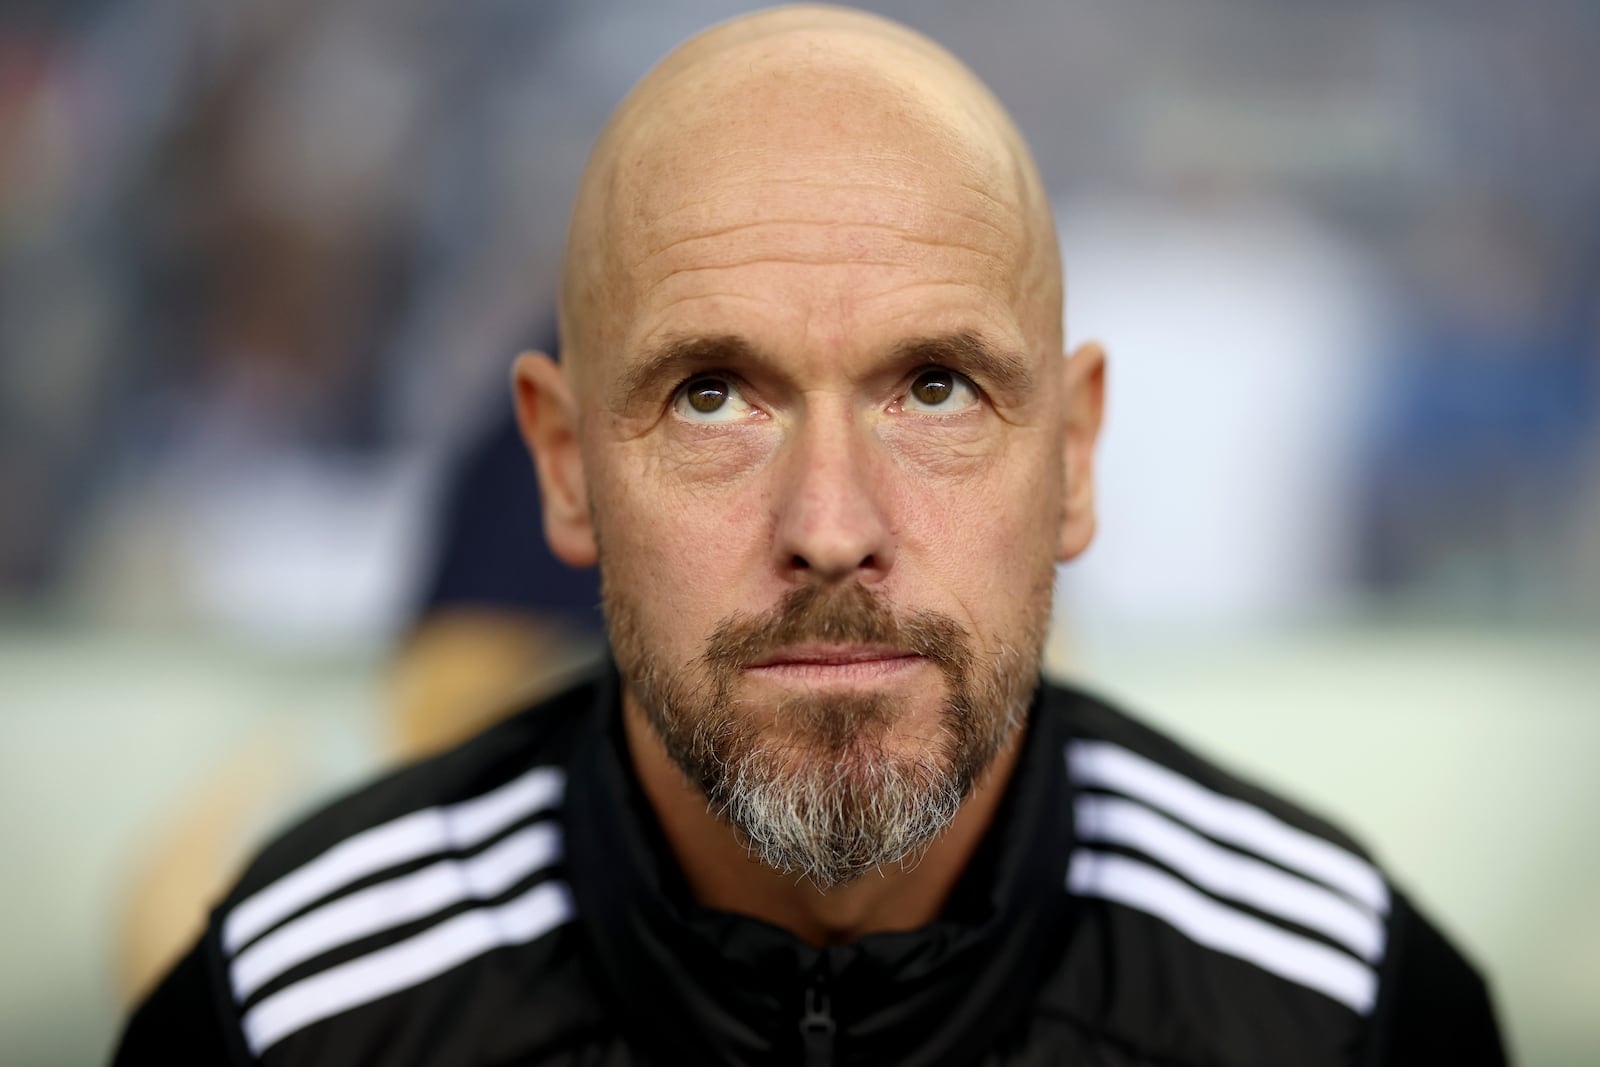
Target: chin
[830,815]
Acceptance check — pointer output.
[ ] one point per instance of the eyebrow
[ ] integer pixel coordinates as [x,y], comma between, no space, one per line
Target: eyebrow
[677,357]
[967,352]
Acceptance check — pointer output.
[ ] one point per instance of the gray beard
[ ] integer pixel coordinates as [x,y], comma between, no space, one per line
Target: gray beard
[818,796]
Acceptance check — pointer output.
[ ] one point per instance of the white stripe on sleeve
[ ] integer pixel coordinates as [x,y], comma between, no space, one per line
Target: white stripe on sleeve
[394,903]
[401,840]
[1110,766]
[406,964]
[1200,918]
[1231,874]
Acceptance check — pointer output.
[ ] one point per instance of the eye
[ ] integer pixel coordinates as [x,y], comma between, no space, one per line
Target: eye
[710,398]
[940,390]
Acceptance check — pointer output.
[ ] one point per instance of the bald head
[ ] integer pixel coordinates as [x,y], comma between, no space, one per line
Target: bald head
[774,120]
[811,319]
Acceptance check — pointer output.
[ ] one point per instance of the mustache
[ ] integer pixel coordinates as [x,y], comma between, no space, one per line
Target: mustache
[836,614]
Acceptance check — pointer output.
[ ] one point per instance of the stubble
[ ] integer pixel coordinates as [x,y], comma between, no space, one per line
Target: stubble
[812,785]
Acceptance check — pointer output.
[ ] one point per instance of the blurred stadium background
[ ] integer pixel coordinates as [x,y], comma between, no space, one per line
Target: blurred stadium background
[263,267]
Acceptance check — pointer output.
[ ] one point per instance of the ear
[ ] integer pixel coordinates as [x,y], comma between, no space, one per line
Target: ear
[1085,372]
[547,413]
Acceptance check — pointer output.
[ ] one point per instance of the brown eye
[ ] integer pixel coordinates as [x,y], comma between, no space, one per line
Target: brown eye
[937,389]
[933,387]
[711,399]
[707,395]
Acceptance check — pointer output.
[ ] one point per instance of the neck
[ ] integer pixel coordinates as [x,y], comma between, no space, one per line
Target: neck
[722,874]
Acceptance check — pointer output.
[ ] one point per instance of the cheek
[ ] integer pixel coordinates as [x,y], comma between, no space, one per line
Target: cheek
[665,492]
[952,456]
[707,461]
[983,525]
[679,530]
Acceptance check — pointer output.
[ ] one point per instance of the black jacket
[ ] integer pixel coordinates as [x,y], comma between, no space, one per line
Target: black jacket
[512,902]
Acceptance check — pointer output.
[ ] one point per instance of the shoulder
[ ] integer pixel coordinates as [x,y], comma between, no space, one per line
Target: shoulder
[1112,749]
[1236,925]
[515,768]
[361,926]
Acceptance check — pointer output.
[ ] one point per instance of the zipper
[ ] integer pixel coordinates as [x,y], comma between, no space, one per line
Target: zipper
[817,1027]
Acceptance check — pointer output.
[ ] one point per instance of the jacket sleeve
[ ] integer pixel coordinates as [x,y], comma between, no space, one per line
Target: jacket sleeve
[1434,1006]
[183,1021]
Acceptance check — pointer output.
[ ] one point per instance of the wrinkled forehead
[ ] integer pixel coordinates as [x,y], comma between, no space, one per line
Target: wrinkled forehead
[807,126]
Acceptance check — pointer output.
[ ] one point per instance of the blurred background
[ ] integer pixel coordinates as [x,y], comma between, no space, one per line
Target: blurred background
[264,526]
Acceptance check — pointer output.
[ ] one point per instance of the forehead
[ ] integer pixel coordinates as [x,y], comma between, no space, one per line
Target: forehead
[770,106]
[813,183]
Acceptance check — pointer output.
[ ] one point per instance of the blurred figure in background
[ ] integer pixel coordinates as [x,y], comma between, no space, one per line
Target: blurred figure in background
[499,622]
[222,224]
[1477,476]
[499,613]
[1219,299]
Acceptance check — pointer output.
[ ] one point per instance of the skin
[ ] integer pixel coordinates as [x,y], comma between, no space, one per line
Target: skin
[798,203]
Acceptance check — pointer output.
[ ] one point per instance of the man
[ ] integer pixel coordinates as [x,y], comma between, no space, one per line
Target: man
[813,422]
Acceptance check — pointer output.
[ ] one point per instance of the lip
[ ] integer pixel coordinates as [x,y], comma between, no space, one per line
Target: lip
[817,655]
[817,664]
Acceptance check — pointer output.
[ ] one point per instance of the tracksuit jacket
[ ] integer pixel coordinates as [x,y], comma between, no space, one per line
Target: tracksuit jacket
[513,902]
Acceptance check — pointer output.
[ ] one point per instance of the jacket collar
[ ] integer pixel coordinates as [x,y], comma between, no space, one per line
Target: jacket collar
[699,985]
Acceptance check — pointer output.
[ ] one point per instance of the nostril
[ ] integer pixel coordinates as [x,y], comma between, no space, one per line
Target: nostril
[797,562]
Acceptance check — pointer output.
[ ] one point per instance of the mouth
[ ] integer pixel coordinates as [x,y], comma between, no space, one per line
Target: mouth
[825,664]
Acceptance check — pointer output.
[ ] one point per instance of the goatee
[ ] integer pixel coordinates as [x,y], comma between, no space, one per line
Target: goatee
[812,788]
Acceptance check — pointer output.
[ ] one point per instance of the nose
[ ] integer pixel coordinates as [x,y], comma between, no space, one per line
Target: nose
[832,520]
